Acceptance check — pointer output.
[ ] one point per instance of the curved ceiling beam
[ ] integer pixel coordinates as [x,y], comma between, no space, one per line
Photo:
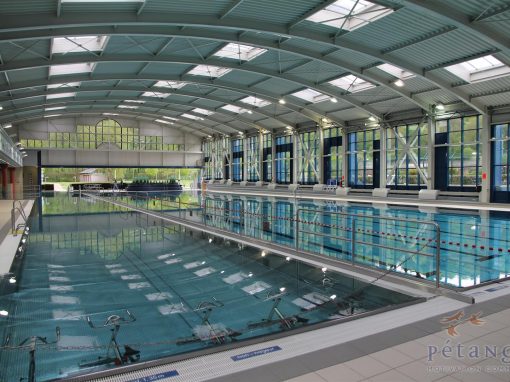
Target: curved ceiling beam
[179,92]
[294,105]
[144,58]
[125,23]
[147,116]
[154,103]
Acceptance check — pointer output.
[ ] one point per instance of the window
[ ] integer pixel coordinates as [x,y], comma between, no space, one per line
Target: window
[283,160]
[209,71]
[311,95]
[202,111]
[308,149]
[406,156]
[191,116]
[463,147]
[164,122]
[253,158]
[351,83]
[78,44]
[267,158]
[255,102]
[363,158]
[57,70]
[237,160]
[60,95]
[207,148]
[54,108]
[479,69]
[349,14]
[155,94]
[395,71]
[170,84]
[501,158]
[239,52]
[133,101]
[333,156]
[236,109]
[127,107]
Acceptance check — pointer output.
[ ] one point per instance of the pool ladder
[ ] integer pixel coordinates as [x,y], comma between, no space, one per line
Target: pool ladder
[17,207]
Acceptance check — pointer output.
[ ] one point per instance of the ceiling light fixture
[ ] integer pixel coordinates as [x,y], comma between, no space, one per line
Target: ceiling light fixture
[399,83]
[439,106]
[281,101]
[333,99]
[372,118]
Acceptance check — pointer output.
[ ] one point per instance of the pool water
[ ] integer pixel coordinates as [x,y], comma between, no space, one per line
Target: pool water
[474,246]
[92,270]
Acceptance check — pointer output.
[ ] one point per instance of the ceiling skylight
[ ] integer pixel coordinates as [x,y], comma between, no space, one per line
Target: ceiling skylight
[78,44]
[54,108]
[349,14]
[170,118]
[190,116]
[202,111]
[352,83]
[479,69]
[239,52]
[127,107]
[209,71]
[57,70]
[395,71]
[254,101]
[236,109]
[110,114]
[163,121]
[133,101]
[155,94]
[311,95]
[52,115]
[170,84]
[68,85]
[60,95]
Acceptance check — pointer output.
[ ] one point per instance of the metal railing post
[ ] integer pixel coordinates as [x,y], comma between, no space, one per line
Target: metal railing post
[353,239]
[438,255]
[296,236]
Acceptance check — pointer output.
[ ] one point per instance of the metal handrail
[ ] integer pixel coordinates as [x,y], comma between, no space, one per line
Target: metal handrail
[386,218]
[21,210]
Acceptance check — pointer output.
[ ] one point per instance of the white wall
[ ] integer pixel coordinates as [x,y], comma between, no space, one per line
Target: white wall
[110,157]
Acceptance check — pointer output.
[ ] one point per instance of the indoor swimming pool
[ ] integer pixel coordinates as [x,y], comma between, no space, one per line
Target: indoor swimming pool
[474,246]
[100,286]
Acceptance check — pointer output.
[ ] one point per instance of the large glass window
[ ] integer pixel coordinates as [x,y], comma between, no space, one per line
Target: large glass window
[463,143]
[308,149]
[105,134]
[208,159]
[501,157]
[363,145]
[406,156]
[253,159]
[283,160]
[237,160]
[267,158]
[333,156]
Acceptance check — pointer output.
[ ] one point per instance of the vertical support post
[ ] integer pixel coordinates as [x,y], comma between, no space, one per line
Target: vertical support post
[320,154]
[246,150]
[12,181]
[353,239]
[295,158]
[261,156]
[485,138]
[431,124]
[438,255]
[273,159]
[382,157]
[296,236]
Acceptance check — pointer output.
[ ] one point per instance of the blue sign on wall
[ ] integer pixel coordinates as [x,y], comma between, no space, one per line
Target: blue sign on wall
[156,377]
[255,353]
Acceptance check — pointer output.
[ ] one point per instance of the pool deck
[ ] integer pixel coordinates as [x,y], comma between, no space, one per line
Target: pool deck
[402,201]
[8,242]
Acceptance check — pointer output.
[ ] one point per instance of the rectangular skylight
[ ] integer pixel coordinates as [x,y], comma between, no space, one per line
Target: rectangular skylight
[52,115]
[239,52]
[395,71]
[110,114]
[202,111]
[60,95]
[352,83]
[54,108]
[57,70]
[349,14]
[236,109]
[254,101]
[67,85]
[78,44]
[170,118]
[189,116]
[170,84]
[479,69]
[155,94]
[163,121]
[134,101]
[311,95]
[127,107]
[209,71]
